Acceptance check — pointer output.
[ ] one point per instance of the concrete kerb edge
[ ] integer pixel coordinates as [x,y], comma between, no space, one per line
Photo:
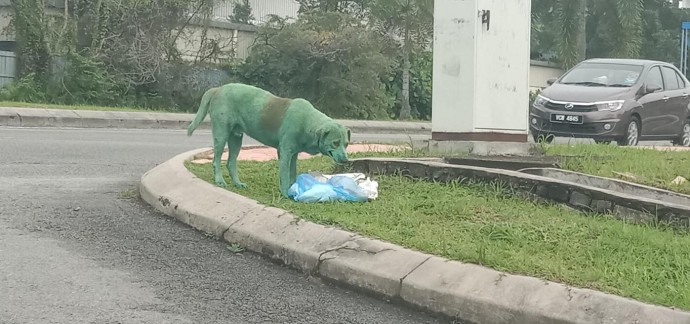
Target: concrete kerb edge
[46,117]
[436,285]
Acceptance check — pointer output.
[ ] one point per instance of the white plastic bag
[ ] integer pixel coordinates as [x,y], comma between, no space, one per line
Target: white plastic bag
[316,187]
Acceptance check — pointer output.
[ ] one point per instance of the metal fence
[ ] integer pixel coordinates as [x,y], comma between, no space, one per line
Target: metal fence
[8,70]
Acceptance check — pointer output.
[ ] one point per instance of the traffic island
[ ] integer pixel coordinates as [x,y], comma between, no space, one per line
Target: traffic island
[470,251]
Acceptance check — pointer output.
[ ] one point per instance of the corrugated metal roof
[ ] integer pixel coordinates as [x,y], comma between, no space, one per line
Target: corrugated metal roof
[60,4]
[260,8]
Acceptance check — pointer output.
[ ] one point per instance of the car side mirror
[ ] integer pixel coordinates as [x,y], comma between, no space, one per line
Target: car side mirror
[551,81]
[652,88]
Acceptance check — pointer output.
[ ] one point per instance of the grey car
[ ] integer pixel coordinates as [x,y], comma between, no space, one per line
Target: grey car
[622,100]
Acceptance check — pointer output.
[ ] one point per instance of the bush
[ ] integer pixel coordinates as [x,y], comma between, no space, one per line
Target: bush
[421,77]
[25,89]
[326,58]
[81,80]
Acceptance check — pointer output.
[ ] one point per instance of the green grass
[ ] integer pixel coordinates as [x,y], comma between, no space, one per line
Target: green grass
[650,167]
[486,224]
[86,107]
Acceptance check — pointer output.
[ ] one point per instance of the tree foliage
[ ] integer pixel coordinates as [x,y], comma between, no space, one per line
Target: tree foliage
[242,13]
[324,57]
[352,58]
[34,55]
[410,24]
[614,28]
[108,52]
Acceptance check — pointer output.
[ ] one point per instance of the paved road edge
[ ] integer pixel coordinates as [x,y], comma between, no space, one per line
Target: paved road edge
[42,117]
[458,290]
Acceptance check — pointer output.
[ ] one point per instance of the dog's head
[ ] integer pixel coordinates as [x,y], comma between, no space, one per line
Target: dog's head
[333,141]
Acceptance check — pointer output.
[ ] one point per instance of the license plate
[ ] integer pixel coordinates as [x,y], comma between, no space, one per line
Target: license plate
[571,119]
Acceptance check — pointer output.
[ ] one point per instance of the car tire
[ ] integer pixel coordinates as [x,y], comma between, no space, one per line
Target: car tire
[684,138]
[543,138]
[632,133]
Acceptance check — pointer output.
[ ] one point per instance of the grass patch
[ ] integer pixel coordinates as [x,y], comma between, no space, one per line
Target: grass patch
[17,104]
[485,224]
[649,166]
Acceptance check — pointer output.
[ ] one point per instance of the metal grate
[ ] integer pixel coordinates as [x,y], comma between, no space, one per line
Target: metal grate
[576,108]
[8,66]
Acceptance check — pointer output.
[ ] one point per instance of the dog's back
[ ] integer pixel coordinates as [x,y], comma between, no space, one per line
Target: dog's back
[248,109]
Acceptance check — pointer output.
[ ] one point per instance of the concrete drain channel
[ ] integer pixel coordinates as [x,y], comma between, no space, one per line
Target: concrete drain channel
[542,178]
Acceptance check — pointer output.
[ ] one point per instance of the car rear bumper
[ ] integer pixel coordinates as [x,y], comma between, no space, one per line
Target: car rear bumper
[596,124]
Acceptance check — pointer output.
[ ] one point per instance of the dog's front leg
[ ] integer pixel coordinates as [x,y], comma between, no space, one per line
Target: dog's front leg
[285,158]
[293,168]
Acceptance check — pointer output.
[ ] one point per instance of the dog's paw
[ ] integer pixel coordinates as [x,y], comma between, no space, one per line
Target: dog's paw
[241,185]
[221,183]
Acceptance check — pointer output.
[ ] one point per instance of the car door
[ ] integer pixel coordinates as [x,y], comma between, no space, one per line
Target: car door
[671,108]
[682,112]
[652,102]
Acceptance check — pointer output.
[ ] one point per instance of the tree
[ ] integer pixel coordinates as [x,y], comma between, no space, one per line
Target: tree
[113,52]
[410,23]
[356,8]
[661,31]
[572,27]
[328,58]
[588,28]
[32,45]
[242,13]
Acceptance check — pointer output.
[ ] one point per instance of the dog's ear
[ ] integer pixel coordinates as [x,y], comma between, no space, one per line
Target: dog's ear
[322,133]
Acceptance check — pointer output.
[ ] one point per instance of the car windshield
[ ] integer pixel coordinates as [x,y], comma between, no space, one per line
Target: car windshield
[603,75]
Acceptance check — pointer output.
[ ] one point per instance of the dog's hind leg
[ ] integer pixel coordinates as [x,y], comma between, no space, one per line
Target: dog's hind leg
[234,147]
[219,141]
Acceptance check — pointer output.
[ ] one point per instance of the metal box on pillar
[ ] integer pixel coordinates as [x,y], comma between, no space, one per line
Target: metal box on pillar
[481,76]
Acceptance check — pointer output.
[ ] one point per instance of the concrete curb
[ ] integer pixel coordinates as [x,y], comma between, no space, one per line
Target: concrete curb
[469,292]
[40,117]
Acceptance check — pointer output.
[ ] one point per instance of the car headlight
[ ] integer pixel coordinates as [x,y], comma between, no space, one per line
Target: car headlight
[610,105]
[540,101]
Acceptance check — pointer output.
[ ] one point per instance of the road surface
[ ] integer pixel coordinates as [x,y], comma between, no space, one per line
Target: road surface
[76,247]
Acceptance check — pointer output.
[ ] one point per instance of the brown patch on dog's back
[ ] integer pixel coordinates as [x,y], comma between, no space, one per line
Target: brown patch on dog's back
[273,113]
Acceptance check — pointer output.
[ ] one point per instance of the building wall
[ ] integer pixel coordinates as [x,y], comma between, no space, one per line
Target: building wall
[234,39]
[189,41]
[540,72]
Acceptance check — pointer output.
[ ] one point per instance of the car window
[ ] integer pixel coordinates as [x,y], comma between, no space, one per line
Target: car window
[681,82]
[670,78]
[654,77]
[603,75]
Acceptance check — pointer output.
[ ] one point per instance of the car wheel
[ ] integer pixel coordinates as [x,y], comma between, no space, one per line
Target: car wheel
[632,134]
[684,138]
[543,138]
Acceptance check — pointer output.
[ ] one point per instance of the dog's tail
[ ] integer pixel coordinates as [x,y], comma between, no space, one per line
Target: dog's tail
[203,111]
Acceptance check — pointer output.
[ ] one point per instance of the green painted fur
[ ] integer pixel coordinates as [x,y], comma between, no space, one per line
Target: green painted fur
[291,126]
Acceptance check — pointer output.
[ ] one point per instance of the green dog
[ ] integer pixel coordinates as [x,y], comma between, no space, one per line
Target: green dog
[291,126]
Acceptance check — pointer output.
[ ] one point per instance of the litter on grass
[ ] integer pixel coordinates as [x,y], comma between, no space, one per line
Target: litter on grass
[317,187]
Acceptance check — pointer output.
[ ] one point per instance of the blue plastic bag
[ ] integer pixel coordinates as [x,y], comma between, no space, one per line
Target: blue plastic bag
[308,188]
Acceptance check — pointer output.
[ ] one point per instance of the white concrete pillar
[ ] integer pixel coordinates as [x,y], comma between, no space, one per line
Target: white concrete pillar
[481,70]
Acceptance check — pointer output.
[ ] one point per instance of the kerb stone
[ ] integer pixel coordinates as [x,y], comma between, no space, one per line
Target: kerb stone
[371,265]
[280,236]
[482,295]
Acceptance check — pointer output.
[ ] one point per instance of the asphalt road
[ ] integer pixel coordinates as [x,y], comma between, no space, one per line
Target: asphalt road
[75,247]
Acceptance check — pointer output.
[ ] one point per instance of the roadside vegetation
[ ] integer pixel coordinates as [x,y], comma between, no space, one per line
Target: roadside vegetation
[486,224]
[641,165]
[89,55]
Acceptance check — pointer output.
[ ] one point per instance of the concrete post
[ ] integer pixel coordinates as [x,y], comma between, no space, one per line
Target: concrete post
[481,73]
